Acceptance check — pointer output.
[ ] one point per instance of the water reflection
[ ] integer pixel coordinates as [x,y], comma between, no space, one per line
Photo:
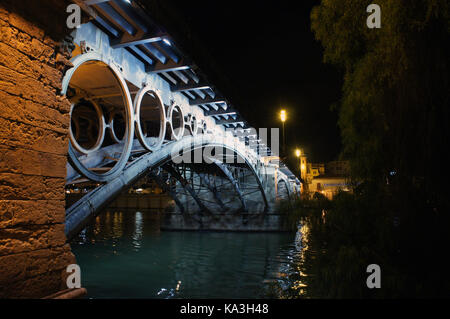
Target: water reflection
[299,260]
[124,255]
[292,281]
[138,227]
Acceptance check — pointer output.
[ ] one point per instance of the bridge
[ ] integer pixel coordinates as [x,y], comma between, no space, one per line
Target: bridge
[133,105]
[140,108]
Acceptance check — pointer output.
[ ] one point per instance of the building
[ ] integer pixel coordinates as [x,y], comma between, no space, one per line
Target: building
[329,185]
[326,179]
[315,169]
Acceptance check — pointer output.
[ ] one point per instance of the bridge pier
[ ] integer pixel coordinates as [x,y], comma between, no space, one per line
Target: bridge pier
[34,122]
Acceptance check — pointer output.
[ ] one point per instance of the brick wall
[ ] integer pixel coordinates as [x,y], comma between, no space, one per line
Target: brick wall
[34,122]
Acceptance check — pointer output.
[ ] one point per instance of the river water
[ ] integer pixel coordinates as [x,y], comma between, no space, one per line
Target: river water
[125,255]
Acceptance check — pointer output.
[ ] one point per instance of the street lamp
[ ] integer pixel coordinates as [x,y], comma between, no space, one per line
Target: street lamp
[283,117]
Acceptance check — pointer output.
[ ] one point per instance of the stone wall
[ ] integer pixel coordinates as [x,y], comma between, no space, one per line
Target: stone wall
[34,122]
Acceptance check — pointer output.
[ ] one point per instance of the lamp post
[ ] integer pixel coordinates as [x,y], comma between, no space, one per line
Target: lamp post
[283,117]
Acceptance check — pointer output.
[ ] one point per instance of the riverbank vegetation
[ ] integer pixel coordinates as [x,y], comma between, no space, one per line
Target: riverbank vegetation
[394,119]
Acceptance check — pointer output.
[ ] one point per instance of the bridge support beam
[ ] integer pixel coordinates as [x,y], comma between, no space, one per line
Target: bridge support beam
[166,188]
[206,181]
[185,184]
[233,181]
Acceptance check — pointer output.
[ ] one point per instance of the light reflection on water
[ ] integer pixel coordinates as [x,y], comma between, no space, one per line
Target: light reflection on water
[138,227]
[124,255]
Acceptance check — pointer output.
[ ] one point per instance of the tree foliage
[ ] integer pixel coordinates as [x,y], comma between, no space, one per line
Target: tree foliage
[394,118]
[394,111]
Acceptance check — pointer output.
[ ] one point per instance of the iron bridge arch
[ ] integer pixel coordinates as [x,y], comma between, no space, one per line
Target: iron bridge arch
[117,162]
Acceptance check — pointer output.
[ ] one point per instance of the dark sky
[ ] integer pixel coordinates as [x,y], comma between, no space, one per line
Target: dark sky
[267,52]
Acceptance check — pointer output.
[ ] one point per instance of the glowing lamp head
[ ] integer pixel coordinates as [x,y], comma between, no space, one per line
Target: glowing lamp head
[298,152]
[283,115]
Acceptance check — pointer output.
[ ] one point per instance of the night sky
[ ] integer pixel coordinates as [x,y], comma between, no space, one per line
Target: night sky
[267,54]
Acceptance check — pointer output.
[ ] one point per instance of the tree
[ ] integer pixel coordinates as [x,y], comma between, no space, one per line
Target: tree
[394,118]
[394,111]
